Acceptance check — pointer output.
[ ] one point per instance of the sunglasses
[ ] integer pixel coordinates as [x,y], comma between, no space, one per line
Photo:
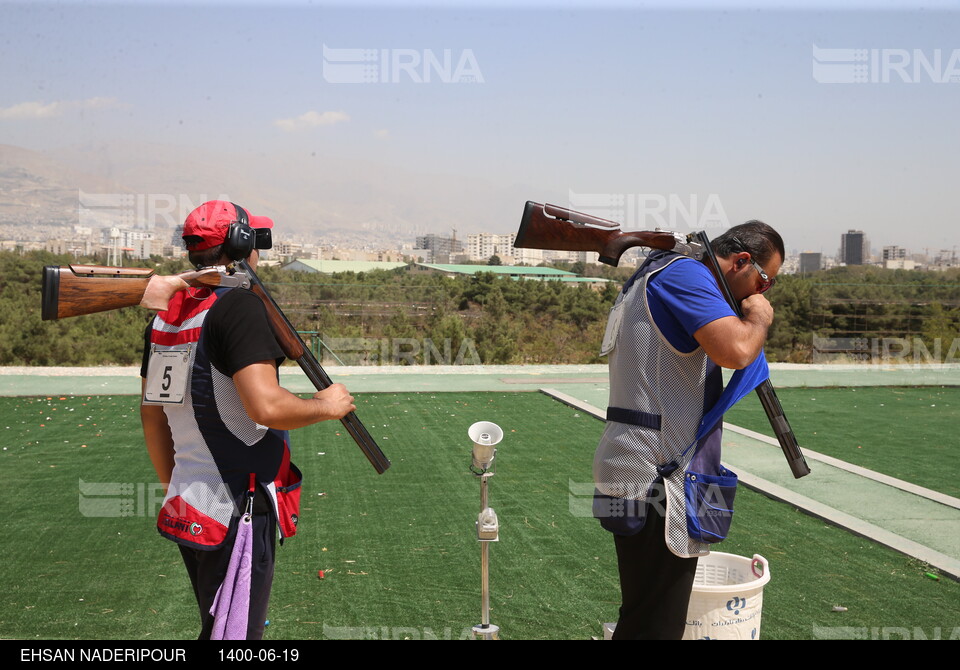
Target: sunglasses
[767,280]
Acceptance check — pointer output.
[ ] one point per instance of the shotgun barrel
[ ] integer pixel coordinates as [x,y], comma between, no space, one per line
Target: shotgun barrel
[295,348]
[765,391]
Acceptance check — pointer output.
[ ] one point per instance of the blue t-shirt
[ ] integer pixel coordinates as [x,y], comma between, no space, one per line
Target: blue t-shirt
[684,297]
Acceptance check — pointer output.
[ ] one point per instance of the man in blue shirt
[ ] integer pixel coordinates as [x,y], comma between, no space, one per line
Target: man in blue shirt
[669,334]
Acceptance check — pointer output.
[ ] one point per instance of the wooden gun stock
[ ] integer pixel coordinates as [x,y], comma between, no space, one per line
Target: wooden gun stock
[74,290]
[556,228]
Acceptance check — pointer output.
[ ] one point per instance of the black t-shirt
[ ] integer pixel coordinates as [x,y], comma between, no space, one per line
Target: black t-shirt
[237,332]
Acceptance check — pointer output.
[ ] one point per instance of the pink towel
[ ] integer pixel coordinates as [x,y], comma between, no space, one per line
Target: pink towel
[231,606]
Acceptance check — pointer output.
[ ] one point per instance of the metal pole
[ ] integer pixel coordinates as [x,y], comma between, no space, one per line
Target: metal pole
[485,630]
[484,564]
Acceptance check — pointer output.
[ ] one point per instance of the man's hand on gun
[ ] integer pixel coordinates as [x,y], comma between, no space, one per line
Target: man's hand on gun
[337,401]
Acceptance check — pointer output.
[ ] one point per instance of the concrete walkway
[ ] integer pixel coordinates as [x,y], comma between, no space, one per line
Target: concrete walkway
[908,518]
[589,381]
[911,519]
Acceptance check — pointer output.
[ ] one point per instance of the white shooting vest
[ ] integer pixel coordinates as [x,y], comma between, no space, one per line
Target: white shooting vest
[656,405]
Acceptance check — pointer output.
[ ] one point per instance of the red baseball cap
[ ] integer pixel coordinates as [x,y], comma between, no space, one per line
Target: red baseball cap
[211,220]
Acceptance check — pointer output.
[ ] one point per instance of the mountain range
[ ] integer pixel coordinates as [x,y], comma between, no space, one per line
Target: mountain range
[342,202]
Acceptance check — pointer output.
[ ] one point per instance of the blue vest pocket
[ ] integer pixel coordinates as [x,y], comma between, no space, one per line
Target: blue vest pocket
[709,502]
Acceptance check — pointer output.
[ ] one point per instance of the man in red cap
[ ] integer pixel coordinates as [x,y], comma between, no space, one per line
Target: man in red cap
[215,418]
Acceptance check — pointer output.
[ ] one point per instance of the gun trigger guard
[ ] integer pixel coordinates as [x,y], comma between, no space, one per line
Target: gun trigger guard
[192,292]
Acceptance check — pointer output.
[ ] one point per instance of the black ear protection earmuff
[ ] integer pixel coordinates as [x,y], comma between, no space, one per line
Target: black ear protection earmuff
[241,239]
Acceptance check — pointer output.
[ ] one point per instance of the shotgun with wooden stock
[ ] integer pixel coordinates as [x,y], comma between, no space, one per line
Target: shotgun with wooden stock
[74,290]
[556,228]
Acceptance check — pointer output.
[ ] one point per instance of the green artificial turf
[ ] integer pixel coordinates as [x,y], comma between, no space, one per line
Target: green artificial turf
[398,551]
[905,432]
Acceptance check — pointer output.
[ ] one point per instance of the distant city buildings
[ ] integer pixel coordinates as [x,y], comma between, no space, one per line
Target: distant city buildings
[114,244]
[894,253]
[486,245]
[895,258]
[945,258]
[854,248]
[810,262]
[439,249]
[483,246]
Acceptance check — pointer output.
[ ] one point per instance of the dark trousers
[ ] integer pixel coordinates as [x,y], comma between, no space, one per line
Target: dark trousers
[655,584]
[208,568]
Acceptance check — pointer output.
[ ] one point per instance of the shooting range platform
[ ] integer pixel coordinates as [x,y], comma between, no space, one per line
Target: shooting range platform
[911,519]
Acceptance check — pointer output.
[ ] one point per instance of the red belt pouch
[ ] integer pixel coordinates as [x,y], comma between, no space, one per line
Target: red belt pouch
[288,500]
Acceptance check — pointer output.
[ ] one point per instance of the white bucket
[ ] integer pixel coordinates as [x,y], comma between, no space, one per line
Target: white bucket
[727,597]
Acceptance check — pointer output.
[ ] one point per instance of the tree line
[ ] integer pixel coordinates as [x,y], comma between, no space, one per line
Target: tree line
[401,316]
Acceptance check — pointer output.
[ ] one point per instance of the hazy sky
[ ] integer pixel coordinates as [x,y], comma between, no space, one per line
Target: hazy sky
[717,112]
